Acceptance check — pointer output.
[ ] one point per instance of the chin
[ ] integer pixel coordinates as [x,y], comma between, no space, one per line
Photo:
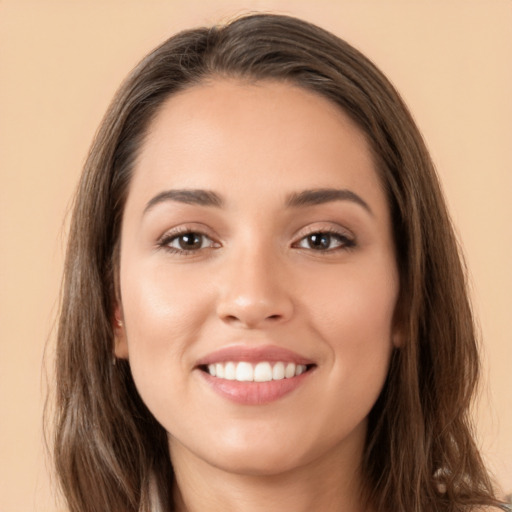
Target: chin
[262,464]
[265,452]
[252,452]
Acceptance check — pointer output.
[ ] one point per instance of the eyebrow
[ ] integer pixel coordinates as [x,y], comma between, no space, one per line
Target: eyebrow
[187,196]
[325,195]
[305,198]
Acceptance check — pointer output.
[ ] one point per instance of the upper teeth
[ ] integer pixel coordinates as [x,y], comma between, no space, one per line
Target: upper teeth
[261,372]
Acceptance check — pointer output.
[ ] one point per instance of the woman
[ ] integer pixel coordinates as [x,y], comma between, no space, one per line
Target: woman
[264,305]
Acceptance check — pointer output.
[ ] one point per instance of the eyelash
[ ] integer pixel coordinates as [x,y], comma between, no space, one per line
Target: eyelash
[345,242]
[168,238]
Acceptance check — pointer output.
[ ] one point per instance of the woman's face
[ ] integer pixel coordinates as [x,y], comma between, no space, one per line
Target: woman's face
[258,278]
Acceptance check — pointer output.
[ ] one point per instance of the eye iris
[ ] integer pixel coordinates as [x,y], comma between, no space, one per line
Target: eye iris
[190,241]
[319,241]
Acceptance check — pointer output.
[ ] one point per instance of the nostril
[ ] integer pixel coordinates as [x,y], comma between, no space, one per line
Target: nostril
[252,311]
[251,321]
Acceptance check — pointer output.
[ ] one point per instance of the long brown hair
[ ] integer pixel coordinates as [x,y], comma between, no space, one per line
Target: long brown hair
[420,452]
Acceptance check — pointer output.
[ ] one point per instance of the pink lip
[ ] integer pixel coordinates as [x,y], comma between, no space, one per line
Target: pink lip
[253,393]
[269,353]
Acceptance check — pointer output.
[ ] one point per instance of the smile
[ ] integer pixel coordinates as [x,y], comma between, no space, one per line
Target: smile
[263,371]
[254,375]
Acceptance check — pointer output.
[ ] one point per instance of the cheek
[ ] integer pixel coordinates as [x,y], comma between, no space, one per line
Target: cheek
[360,339]
[355,318]
[164,313]
[354,305]
[160,304]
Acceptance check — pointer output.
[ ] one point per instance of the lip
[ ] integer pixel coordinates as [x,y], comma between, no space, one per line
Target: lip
[254,393]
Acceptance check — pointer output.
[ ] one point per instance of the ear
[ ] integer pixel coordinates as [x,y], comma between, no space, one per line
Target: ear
[397,336]
[120,343]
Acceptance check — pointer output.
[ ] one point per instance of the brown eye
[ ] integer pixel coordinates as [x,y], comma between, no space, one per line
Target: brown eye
[319,241]
[325,241]
[190,241]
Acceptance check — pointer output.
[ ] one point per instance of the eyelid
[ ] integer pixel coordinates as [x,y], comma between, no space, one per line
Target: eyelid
[189,227]
[324,227]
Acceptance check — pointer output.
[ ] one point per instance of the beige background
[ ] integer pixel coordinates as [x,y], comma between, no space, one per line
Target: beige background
[60,63]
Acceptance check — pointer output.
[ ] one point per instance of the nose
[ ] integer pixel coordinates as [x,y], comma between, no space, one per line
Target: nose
[255,292]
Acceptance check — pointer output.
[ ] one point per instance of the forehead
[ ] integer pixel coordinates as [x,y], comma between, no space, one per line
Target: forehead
[265,136]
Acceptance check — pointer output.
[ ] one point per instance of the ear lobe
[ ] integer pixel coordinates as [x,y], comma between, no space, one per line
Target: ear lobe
[400,322]
[398,330]
[120,343]
[397,337]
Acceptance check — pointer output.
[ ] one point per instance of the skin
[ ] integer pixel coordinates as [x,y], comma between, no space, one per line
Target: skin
[254,279]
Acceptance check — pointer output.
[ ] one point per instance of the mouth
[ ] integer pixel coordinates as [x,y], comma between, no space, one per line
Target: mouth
[262,371]
[254,375]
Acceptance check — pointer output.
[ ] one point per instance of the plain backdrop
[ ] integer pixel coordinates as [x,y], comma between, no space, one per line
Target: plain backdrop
[60,63]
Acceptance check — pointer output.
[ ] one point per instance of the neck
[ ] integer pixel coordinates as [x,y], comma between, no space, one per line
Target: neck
[329,484]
